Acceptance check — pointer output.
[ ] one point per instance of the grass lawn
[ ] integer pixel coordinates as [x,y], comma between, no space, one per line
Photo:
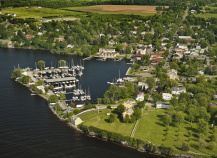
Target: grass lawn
[35,12]
[206,15]
[151,128]
[92,118]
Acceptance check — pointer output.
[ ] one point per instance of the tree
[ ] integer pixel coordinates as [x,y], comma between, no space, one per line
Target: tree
[25,79]
[179,116]
[41,64]
[76,111]
[167,120]
[112,118]
[16,73]
[126,118]
[120,109]
[168,45]
[192,112]
[53,99]
[62,96]
[137,113]
[174,101]
[61,63]
[151,82]
[202,126]
[128,49]
[173,65]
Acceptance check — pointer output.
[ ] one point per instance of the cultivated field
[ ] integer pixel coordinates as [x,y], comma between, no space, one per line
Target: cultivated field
[35,12]
[117,9]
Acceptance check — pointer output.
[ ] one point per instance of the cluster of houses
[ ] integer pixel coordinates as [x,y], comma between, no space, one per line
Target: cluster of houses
[107,53]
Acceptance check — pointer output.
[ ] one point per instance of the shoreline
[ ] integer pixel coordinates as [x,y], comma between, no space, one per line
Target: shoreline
[122,143]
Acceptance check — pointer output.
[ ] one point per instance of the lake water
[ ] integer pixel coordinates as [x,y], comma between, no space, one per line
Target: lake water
[27,126]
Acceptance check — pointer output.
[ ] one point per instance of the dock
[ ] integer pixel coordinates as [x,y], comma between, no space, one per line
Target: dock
[88,58]
[60,79]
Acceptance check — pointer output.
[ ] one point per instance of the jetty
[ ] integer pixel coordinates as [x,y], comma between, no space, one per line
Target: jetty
[88,58]
[60,80]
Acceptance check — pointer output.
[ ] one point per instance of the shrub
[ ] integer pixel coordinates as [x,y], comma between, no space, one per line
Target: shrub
[185,146]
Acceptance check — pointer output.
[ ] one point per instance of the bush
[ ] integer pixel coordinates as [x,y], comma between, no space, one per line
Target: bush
[109,107]
[76,111]
[16,73]
[185,147]
[112,118]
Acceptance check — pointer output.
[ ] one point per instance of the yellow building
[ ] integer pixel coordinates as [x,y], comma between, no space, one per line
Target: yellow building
[127,105]
[75,120]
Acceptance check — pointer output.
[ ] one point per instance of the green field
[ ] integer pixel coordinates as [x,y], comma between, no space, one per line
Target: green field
[206,15]
[151,128]
[35,12]
[92,118]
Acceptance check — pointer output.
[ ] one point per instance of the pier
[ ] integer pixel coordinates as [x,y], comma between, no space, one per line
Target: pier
[88,58]
[60,79]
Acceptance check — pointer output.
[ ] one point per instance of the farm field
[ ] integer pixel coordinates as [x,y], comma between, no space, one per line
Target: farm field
[35,12]
[117,9]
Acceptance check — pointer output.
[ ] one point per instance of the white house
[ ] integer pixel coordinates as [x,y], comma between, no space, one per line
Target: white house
[75,120]
[193,11]
[178,90]
[172,73]
[112,43]
[70,46]
[39,33]
[127,112]
[140,96]
[141,51]
[201,71]
[182,46]
[162,105]
[167,96]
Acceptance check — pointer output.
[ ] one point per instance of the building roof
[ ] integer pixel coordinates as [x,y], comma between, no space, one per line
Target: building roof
[178,88]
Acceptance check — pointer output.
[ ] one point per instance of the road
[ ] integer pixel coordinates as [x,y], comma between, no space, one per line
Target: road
[173,41]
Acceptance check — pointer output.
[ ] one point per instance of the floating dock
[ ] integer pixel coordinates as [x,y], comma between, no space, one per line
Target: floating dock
[88,58]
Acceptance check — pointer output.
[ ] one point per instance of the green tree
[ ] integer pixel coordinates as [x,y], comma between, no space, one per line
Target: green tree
[76,111]
[185,146]
[179,116]
[202,126]
[53,99]
[167,120]
[61,63]
[62,96]
[151,82]
[112,118]
[137,113]
[16,73]
[41,64]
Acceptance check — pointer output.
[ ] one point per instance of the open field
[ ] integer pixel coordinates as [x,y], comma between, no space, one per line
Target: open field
[35,12]
[117,9]
[151,128]
[207,15]
[92,118]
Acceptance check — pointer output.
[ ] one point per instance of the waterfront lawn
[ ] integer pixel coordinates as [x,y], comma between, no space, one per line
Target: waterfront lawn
[151,128]
[92,118]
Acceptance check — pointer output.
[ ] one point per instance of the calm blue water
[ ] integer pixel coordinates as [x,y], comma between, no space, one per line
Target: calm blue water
[29,129]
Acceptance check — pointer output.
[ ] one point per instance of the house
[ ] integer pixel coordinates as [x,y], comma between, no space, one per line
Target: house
[133,32]
[193,11]
[128,105]
[214,97]
[112,43]
[39,33]
[167,96]
[75,120]
[140,96]
[188,38]
[61,38]
[144,68]
[162,105]
[41,88]
[201,71]
[138,56]
[182,46]
[14,15]
[70,46]
[141,50]
[172,73]
[29,36]
[156,60]
[178,90]
[127,112]
[46,20]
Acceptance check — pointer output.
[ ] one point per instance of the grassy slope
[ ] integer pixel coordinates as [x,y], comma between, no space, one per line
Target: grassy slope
[92,118]
[152,128]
